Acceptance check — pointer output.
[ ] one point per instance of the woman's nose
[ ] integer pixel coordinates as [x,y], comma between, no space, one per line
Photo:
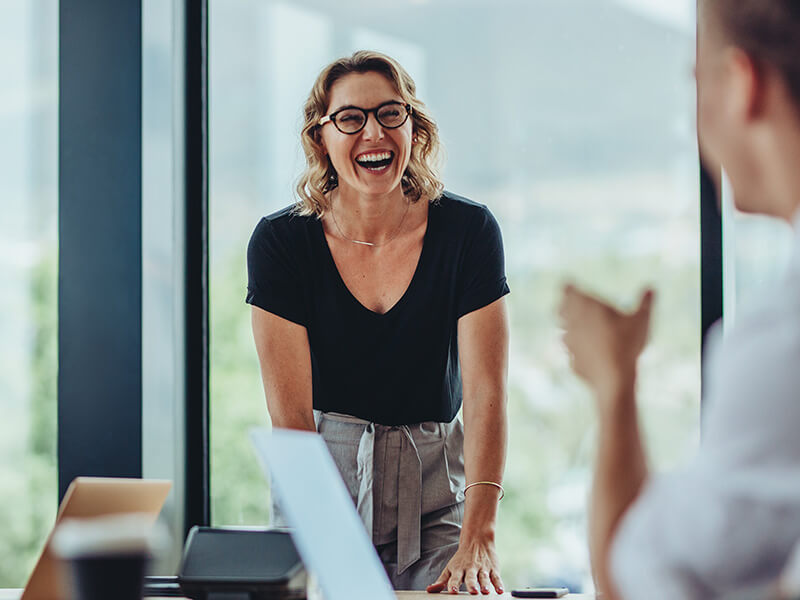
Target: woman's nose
[372,129]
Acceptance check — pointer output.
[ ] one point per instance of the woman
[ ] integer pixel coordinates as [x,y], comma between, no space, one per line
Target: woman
[377,306]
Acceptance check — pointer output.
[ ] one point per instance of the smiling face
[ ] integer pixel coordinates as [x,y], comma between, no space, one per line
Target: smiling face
[372,161]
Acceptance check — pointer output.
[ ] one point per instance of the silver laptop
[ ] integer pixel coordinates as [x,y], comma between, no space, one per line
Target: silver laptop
[325,526]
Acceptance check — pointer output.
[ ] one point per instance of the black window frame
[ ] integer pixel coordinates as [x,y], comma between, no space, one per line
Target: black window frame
[197,501]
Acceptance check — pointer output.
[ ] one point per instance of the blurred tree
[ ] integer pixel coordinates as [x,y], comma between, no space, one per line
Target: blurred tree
[28,484]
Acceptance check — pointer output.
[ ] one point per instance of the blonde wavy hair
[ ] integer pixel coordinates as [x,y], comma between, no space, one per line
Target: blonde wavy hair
[421,178]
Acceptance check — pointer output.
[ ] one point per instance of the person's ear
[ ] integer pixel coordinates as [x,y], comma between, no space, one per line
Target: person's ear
[746,85]
[321,143]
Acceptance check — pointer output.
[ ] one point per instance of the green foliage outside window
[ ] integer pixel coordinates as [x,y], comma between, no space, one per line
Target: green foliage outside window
[28,479]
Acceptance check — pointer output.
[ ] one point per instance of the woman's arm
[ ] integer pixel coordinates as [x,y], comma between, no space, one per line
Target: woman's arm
[285,359]
[483,351]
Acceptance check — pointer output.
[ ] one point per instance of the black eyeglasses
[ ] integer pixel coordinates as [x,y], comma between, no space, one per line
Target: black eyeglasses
[352,119]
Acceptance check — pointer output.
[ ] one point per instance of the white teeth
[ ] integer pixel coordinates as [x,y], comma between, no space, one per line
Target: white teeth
[374,157]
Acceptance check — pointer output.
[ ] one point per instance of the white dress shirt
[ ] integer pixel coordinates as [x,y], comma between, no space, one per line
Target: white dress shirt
[731,517]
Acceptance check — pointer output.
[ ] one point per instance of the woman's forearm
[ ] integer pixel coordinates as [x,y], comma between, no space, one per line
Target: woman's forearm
[485,437]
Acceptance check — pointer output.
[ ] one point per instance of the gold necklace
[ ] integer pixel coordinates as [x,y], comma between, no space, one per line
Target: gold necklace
[371,244]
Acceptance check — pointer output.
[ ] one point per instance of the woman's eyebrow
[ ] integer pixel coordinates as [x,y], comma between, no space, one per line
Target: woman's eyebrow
[345,106]
[362,108]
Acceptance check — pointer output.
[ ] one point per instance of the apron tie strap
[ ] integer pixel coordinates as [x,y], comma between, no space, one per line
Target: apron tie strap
[365,475]
[409,503]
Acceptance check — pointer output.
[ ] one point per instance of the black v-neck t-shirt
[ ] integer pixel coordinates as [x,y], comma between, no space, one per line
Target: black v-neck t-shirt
[396,368]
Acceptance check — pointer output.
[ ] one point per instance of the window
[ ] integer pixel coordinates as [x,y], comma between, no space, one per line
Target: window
[574,123]
[28,270]
[163,415]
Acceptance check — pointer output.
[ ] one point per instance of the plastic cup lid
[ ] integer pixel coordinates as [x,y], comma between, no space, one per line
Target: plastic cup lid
[128,533]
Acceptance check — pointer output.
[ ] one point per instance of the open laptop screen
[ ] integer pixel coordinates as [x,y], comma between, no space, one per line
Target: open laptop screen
[326,528]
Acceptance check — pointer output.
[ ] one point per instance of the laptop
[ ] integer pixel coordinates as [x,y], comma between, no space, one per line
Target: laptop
[325,527]
[93,497]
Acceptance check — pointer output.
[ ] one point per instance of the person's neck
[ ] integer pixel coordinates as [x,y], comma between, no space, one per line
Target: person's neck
[368,217]
[782,176]
[778,149]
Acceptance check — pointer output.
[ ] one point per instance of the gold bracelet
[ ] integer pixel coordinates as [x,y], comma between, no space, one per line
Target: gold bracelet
[497,485]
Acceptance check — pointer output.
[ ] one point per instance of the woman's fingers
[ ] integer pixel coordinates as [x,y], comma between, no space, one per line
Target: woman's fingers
[471,580]
[439,585]
[484,582]
[454,583]
[475,568]
[497,582]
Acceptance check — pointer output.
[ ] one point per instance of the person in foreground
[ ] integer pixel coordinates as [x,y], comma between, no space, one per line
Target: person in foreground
[730,517]
[376,301]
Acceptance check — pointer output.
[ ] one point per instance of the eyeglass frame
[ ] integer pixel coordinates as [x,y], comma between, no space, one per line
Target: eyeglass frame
[367,111]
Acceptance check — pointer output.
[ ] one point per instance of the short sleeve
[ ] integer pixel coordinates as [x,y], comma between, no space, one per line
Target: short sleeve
[274,281]
[482,274]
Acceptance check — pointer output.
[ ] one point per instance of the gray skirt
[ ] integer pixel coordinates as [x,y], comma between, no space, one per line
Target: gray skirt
[407,484]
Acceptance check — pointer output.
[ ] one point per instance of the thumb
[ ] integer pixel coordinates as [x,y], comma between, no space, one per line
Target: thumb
[646,304]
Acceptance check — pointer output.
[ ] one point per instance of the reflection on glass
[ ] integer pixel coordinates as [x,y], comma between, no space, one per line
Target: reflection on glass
[28,271]
[163,262]
[574,123]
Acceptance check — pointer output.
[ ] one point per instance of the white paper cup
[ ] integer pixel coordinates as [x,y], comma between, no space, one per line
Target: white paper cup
[107,556]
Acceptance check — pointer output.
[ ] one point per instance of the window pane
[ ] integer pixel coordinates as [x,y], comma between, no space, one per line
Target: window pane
[28,271]
[574,123]
[163,395]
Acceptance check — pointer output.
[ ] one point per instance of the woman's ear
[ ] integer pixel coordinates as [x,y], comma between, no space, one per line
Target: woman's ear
[317,136]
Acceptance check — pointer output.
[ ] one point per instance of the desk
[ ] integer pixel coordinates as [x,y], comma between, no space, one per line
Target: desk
[505,596]
[15,594]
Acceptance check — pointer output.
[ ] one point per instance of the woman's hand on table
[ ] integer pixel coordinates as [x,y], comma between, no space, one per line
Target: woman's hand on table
[475,565]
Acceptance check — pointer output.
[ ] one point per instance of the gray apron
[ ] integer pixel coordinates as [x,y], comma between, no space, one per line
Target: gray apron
[407,484]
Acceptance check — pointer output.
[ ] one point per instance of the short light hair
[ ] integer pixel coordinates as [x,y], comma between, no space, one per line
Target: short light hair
[767,30]
[420,180]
